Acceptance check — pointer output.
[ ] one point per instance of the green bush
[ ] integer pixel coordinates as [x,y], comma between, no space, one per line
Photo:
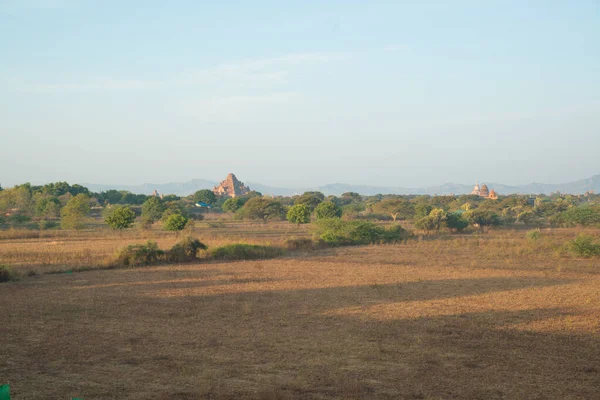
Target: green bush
[49,224]
[584,245]
[241,251]
[186,250]
[175,222]
[20,219]
[335,231]
[139,254]
[7,274]
[119,217]
[299,214]
[533,235]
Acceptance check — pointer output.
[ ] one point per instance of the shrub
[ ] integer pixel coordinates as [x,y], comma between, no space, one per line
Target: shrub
[7,274]
[334,231]
[300,244]
[20,218]
[139,254]
[584,245]
[186,250]
[49,224]
[395,234]
[533,235]
[175,222]
[241,251]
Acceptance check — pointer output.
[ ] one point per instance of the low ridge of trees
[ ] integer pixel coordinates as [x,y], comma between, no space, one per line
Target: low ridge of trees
[59,203]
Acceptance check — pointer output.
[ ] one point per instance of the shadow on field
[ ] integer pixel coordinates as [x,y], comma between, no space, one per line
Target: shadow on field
[321,299]
[286,344]
[180,283]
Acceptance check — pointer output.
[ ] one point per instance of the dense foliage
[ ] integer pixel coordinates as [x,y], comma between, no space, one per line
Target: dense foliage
[299,214]
[119,217]
[75,212]
[46,206]
[175,222]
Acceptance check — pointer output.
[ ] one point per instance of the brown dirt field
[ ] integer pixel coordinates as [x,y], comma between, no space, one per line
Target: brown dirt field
[479,317]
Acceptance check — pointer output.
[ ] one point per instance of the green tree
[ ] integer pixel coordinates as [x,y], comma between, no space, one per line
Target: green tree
[434,221]
[299,214]
[175,222]
[439,217]
[327,209]
[482,218]
[422,210]
[582,216]
[263,208]
[426,223]
[75,212]
[394,208]
[455,222]
[232,204]
[311,199]
[119,217]
[47,207]
[205,196]
[152,210]
[526,216]
[176,207]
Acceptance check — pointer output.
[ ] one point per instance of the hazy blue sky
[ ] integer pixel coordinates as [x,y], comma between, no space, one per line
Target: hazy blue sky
[299,93]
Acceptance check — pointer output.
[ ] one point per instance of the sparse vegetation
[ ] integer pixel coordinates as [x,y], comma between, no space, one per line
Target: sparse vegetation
[186,250]
[337,232]
[489,298]
[533,235]
[7,274]
[139,254]
[584,245]
[242,251]
[229,283]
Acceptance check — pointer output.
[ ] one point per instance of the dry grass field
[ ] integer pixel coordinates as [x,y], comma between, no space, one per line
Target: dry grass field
[52,251]
[489,316]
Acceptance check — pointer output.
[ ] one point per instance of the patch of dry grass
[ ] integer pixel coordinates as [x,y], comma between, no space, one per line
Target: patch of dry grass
[47,251]
[488,317]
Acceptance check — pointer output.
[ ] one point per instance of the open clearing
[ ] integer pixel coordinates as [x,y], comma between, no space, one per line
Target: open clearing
[488,317]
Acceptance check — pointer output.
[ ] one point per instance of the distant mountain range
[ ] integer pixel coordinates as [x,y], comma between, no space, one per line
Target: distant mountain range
[186,188]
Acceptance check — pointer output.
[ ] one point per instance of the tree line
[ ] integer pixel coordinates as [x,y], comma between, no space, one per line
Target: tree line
[69,206]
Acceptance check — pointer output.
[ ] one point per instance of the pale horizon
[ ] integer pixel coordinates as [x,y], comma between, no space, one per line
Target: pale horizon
[299,95]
